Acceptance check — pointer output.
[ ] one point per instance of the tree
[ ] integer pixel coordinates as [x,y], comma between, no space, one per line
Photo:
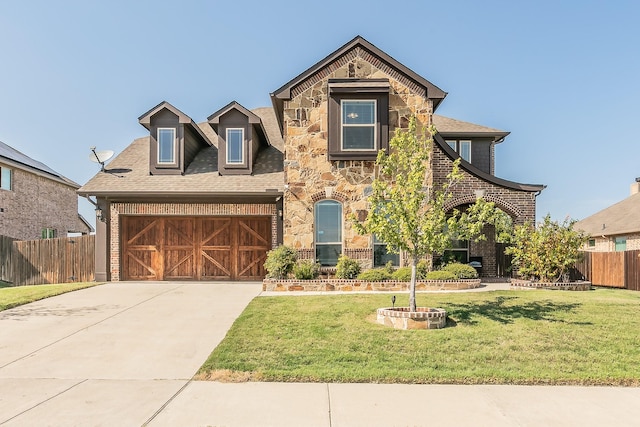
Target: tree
[409,215]
[546,252]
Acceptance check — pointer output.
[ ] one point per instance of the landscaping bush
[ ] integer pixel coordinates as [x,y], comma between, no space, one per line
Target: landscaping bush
[441,275]
[403,274]
[347,268]
[375,274]
[280,262]
[306,270]
[461,271]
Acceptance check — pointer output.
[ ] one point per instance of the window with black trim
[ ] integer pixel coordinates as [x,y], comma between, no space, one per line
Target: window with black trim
[235,146]
[358,118]
[381,256]
[328,232]
[462,147]
[6,176]
[166,146]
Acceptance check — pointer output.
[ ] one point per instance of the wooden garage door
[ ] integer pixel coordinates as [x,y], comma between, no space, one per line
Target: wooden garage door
[197,248]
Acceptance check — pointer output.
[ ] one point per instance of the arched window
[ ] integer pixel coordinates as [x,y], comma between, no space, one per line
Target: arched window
[328,231]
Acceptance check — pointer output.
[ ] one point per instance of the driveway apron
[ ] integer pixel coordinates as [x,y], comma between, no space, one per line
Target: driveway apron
[113,354]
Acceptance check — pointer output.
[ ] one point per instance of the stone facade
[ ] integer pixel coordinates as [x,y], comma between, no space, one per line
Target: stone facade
[309,174]
[36,202]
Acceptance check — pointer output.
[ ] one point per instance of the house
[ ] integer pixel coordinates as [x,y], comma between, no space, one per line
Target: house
[36,201]
[616,228]
[207,200]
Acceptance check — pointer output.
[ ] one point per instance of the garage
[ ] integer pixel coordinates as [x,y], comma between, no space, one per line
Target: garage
[194,248]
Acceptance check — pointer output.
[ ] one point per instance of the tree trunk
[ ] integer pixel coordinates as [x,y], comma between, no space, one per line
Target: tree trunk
[412,286]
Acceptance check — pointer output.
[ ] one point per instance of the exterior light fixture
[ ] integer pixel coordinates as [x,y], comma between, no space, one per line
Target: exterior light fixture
[99,216]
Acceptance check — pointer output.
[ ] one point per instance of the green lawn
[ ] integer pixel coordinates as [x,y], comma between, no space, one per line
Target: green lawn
[505,337]
[14,296]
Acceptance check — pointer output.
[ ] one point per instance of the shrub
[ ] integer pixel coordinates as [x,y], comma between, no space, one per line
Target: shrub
[375,274]
[306,270]
[347,268]
[461,271]
[403,274]
[441,275]
[280,262]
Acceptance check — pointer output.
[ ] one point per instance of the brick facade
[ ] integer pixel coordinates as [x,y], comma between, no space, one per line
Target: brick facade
[181,209]
[607,244]
[36,202]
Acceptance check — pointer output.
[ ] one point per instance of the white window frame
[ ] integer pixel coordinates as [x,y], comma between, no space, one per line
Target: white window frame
[4,173]
[374,125]
[316,228]
[456,145]
[173,149]
[242,150]
[460,144]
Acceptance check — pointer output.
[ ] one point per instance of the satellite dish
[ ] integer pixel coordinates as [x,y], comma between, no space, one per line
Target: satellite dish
[101,156]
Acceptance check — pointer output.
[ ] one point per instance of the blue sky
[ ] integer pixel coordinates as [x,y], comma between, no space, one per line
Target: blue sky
[562,76]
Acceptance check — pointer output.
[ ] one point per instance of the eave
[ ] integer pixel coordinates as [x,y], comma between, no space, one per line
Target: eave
[532,188]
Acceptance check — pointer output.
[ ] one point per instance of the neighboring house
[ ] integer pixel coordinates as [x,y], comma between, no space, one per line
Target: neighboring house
[36,201]
[616,228]
[207,201]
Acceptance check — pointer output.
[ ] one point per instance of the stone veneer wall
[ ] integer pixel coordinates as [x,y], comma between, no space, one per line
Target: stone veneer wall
[34,203]
[181,209]
[309,174]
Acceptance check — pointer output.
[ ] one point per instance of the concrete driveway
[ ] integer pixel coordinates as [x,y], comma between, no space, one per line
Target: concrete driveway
[114,354]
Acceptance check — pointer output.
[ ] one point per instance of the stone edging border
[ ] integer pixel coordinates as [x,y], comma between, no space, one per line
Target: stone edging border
[355,285]
[565,286]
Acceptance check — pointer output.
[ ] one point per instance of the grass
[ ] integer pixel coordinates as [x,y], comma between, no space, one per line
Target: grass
[503,337]
[14,296]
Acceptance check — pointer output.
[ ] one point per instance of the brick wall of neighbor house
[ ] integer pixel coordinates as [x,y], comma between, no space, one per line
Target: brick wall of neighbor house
[181,209]
[311,177]
[35,203]
[607,244]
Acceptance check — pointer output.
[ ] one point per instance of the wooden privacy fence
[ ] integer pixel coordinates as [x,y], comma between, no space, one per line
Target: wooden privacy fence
[36,262]
[612,269]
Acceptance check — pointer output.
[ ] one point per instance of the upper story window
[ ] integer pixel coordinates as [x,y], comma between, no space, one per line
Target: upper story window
[462,147]
[235,146]
[166,146]
[6,178]
[358,124]
[328,227]
[358,118]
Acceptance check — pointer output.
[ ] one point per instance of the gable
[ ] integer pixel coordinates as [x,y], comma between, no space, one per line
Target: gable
[374,63]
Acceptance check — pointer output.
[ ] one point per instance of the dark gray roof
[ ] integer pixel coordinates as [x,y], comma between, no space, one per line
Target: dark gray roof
[620,218]
[20,160]
[128,173]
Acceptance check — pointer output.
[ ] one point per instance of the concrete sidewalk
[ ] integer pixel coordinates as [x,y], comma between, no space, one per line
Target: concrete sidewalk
[384,405]
[123,354]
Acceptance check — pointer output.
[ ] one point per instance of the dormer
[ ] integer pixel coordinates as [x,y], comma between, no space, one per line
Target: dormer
[474,143]
[240,137]
[175,139]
